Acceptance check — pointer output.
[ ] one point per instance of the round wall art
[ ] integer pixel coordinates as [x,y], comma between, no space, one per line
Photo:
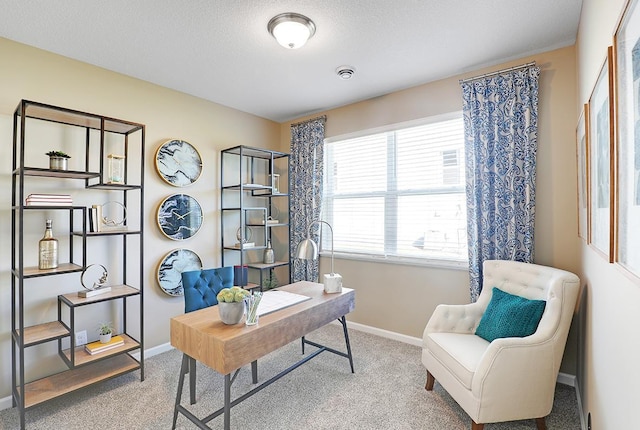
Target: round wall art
[178,163]
[179,216]
[171,267]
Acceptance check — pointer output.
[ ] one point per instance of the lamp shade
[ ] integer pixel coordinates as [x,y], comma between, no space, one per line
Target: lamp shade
[307,249]
[291,30]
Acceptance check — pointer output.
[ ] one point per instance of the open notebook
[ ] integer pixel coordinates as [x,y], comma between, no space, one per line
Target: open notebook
[275,300]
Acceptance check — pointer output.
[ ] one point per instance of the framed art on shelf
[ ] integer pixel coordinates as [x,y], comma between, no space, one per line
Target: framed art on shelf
[627,61]
[601,132]
[582,149]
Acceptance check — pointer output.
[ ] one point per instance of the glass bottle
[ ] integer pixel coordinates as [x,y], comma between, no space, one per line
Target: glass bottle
[48,249]
[269,255]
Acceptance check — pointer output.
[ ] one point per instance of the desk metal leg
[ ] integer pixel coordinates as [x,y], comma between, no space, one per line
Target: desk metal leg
[254,371]
[343,321]
[183,370]
[227,401]
[192,380]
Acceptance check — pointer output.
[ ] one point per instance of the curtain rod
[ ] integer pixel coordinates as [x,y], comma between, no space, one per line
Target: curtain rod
[324,117]
[497,72]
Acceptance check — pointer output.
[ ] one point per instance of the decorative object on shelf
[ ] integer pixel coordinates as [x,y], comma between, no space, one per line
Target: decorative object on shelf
[98,346]
[231,304]
[269,254]
[251,308]
[308,250]
[241,275]
[178,163]
[275,183]
[48,249]
[270,282]
[48,200]
[179,216]
[244,237]
[93,278]
[109,216]
[115,169]
[105,330]
[171,267]
[274,215]
[58,160]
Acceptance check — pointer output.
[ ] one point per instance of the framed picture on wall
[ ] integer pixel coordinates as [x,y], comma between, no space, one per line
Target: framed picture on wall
[582,160]
[627,79]
[601,126]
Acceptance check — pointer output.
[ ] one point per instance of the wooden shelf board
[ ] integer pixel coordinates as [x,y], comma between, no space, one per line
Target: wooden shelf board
[77,118]
[82,357]
[267,266]
[106,233]
[30,272]
[50,173]
[117,291]
[101,186]
[65,382]
[44,332]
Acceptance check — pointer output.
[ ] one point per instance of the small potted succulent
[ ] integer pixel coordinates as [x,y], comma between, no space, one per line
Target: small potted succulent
[231,304]
[105,330]
[58,160]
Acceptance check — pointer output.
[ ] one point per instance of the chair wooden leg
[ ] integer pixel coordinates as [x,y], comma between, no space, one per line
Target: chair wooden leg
[476,426]
[540,422]
[430,381]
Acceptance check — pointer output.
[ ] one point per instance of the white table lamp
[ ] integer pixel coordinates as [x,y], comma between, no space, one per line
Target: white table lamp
[307,249]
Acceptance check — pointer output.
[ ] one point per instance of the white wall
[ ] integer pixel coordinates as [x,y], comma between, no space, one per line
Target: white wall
[609,343]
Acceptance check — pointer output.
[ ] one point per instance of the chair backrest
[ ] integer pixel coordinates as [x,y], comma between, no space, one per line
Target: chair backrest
[558,287]
[201,287]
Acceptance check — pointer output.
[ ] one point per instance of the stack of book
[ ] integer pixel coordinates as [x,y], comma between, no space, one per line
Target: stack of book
[49,200]
[97,347]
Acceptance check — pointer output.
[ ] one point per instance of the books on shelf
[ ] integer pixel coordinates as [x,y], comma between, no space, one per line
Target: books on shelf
[98,347]
[48,200]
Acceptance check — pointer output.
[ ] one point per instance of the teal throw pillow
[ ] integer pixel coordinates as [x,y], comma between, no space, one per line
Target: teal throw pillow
[510,316]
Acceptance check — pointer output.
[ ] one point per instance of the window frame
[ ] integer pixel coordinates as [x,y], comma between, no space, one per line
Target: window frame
[392,193]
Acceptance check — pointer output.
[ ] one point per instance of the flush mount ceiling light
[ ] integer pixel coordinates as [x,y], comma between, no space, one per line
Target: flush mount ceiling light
[345,72]
[291,30]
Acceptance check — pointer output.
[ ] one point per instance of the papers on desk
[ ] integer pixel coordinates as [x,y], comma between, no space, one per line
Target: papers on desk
[275,300]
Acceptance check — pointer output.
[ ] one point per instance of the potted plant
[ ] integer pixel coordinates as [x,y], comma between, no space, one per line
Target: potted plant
[58,160]
[105,330]
[231,304]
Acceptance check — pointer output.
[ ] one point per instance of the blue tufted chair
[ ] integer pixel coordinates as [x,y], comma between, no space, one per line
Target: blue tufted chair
[201,288]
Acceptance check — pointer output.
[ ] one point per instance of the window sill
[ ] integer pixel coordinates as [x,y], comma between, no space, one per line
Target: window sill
[407,261]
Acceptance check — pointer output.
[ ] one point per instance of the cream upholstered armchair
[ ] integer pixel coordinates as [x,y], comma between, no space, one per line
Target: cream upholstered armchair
[509,378]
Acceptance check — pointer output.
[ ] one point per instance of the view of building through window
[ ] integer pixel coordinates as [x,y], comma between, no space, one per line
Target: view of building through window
[399,193]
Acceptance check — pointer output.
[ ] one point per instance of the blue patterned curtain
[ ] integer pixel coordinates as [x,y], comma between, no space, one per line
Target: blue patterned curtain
[305,191]
[501,127]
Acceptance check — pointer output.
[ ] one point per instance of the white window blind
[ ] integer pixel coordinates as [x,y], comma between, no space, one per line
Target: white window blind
[398,194]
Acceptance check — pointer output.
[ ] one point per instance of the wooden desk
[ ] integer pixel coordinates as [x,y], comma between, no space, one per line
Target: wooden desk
[226,348]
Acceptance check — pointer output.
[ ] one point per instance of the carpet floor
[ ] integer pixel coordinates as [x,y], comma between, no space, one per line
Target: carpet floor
[385,392]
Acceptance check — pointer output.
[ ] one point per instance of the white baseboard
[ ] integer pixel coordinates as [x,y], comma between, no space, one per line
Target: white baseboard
[563,378]
[583,420]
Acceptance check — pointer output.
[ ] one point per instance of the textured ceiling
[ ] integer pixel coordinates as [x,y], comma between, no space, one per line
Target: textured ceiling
[220,50]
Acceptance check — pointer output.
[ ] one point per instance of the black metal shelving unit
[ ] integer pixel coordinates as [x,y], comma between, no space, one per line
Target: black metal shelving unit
[249,198]
[83,369]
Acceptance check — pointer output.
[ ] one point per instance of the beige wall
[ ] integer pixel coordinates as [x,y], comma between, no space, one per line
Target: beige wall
[40,76]
[28,73]
[608,372]
[556,223]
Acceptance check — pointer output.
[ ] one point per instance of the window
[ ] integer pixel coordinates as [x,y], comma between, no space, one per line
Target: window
[398,194]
